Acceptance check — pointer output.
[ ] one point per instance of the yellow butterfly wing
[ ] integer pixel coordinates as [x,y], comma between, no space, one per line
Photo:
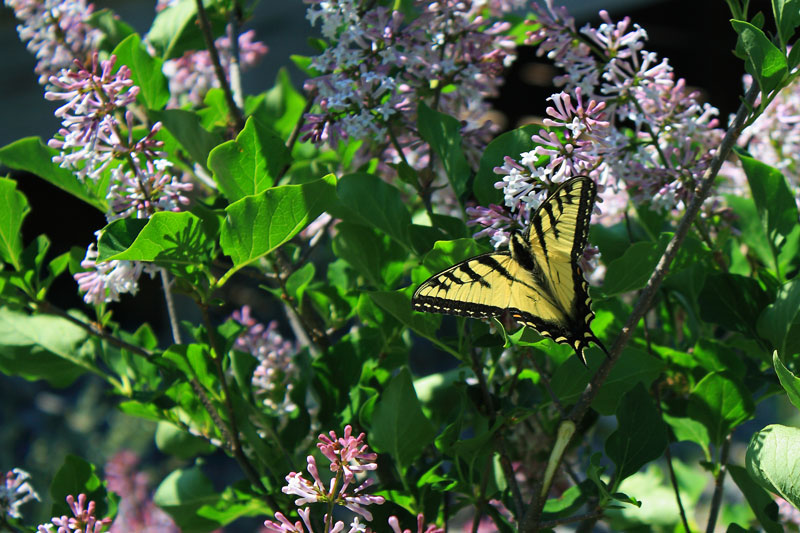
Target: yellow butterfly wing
[538,280]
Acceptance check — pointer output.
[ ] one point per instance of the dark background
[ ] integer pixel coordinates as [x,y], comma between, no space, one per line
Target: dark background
[39,425]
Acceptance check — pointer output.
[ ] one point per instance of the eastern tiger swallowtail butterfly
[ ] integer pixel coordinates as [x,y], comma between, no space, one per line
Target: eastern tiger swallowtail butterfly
[538,280]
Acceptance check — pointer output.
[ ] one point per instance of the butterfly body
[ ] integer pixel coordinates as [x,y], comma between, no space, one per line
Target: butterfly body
[538,280]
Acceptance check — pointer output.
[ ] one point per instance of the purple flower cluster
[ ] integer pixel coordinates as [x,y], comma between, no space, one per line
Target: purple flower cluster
[56,32]
[382,63]
[577,149]
[82,521]
[104,282]
[15,491]
[672,136]
[136,511]
[97,137]
[192,75]
[348,456]
[273,378]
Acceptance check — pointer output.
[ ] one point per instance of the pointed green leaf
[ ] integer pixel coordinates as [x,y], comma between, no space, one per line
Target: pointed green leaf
[790,382]
[31,155]
[760,501]
[250,164]
[187,128]
[780,321]
[256,225]
[399,427]
[640,436]
[166,238]
[762,59]
[13,210]
[369,200]
[511,143]
[787,18]
[734,302]
[145,71]
[720,402]
[773,462]
[443,133]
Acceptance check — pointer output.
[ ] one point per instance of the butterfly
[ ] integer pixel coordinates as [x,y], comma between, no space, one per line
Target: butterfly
[538,280]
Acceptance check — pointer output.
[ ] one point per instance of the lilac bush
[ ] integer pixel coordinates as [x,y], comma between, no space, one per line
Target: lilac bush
[291,228]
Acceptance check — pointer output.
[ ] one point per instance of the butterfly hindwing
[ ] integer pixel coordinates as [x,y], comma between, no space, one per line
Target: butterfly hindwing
[538,280]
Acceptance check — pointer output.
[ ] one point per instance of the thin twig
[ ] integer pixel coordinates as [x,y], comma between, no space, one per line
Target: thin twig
[673,478]
[531,519]
[233,435]
[505,462]
[549,524]
[234,69]
[166,283]
[208,37]
[719,482]
[95,330]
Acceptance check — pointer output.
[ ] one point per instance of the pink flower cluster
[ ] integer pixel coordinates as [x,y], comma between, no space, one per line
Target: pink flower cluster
[92,141]
[82,521]
[136,511]
[381,63]
[56,32]
[672,136]
[15,491]
[273,378]
[348,457]
[192,75]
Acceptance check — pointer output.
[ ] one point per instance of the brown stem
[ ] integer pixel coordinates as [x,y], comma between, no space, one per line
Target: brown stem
[232,432]
[719,481]
[505,462]
[96,330]
[208,37]
[166,283]
[532,515]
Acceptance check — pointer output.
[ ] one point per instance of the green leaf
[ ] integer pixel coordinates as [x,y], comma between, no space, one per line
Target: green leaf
[167,238]
[399,426]
[145,71]
[282,106]
[631,271]
[762,59]
[640,437]
[31,155]
[373,255]
[250,164]
[772,461]
[370,201]
[787,18]
[75,477]
[510,143]
[780,321]
[298,281]
[790,382]
[686,429]
[169,27]
[13,210]
[634,366]
[256,225]
[178,442]
[41,347]
[193,360]
[774,200]
[182,494]
[733,301]
[760,501]
[188,130]
[113,28]
[720,402]
[447,253]
[443,133]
